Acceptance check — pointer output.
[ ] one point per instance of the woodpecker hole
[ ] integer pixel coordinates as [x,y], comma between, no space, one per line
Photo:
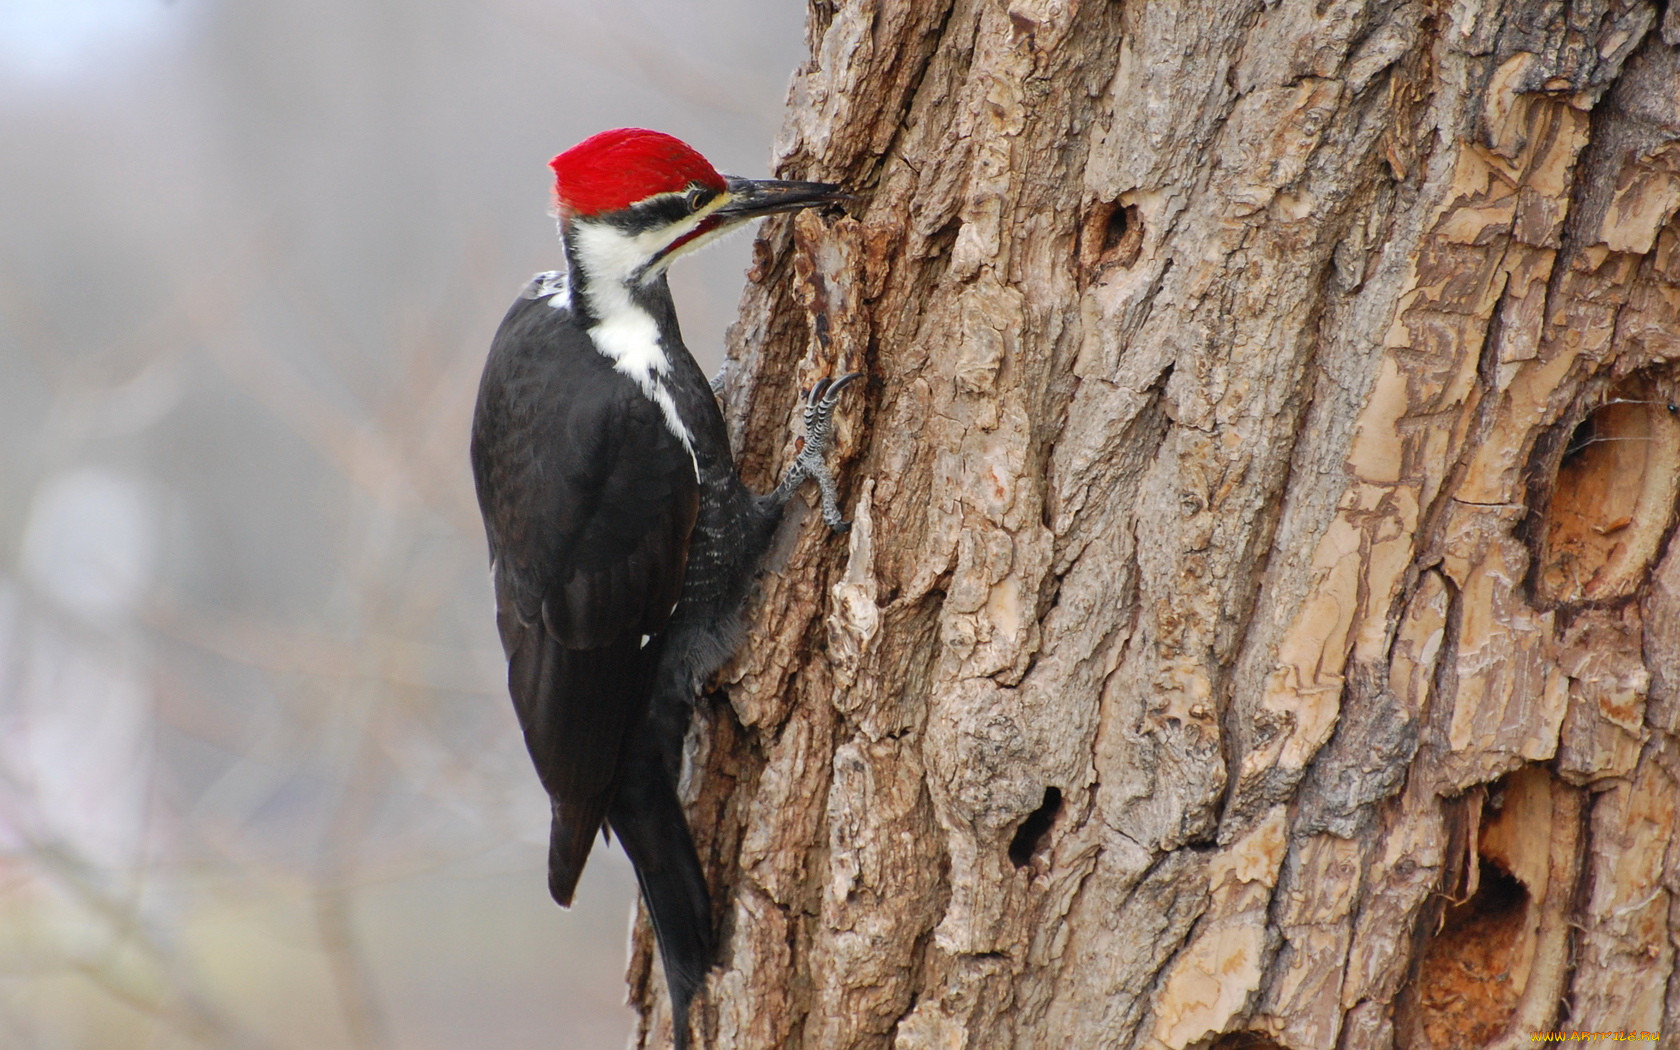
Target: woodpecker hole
[1465,993]
[1246,1041]
[1612,497]
[1490,941]
[1112,236]
[1029,837]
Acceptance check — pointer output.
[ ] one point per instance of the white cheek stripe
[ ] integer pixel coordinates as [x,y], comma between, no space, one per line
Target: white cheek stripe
[612,260]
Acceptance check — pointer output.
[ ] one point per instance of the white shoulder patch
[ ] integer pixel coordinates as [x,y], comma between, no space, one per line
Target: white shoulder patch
[550,285]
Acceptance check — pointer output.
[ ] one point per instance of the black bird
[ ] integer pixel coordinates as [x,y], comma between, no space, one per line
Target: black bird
[623,544]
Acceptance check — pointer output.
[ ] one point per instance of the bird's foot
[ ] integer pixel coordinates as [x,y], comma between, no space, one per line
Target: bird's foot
[812,459]
[720,382]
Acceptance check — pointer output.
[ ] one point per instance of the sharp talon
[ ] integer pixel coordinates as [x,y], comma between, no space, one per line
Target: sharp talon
[810,451]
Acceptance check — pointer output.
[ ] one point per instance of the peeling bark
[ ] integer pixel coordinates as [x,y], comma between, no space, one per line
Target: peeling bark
[1264,494]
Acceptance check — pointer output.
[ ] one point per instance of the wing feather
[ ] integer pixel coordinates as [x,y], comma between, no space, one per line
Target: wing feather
[589,501]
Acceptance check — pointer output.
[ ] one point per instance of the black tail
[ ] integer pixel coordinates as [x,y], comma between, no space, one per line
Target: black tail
[648,819]
[579,709]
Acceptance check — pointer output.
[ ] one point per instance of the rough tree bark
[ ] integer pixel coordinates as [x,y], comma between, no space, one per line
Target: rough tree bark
[1261,626]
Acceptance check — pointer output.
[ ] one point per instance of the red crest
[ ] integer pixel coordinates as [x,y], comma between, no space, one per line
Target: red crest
[615,169]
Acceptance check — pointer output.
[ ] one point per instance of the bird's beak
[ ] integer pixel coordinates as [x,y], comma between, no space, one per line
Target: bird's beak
[752,199]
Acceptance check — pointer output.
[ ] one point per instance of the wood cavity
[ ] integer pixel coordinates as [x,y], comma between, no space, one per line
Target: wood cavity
[1613,498]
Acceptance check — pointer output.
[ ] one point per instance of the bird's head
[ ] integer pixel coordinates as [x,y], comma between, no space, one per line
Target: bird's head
[631,200]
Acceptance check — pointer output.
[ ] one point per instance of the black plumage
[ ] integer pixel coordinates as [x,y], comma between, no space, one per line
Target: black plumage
[589,501]
[621,561]
[623,544]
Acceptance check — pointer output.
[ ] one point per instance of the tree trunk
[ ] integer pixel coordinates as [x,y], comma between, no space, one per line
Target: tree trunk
[1259,626]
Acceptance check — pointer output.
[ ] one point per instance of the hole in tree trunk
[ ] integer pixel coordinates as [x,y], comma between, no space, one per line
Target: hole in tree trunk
[1497,963]
[1119,224]
[1246,1041]
[1112,236]
[1029,837]
[1613,498]
[1465,993]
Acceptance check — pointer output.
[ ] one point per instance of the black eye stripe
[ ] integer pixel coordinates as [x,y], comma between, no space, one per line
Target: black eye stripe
[663,210]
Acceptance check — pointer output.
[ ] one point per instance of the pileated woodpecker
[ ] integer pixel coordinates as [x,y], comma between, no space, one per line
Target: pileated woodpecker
[623,545]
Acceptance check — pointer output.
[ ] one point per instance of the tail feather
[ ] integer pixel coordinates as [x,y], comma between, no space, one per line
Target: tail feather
[648,819]
[579,709]
[569,839]
[608,755]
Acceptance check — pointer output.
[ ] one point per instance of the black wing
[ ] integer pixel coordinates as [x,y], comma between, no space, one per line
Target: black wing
[588,501]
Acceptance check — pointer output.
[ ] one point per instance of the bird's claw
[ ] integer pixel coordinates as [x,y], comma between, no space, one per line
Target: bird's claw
[820,402]
[812,459]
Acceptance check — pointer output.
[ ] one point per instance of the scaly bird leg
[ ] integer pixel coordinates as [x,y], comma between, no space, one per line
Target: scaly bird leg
[811,462]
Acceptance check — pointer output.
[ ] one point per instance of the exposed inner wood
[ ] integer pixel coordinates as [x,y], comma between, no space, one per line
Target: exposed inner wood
[1222,361]
[1613,502]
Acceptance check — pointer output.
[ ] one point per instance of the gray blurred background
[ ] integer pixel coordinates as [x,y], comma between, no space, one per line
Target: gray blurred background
[260,785]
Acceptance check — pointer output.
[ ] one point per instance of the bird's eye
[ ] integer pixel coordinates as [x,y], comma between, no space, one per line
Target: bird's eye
[695,198]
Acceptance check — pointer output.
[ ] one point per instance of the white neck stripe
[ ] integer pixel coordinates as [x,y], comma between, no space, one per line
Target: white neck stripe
[630,337]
